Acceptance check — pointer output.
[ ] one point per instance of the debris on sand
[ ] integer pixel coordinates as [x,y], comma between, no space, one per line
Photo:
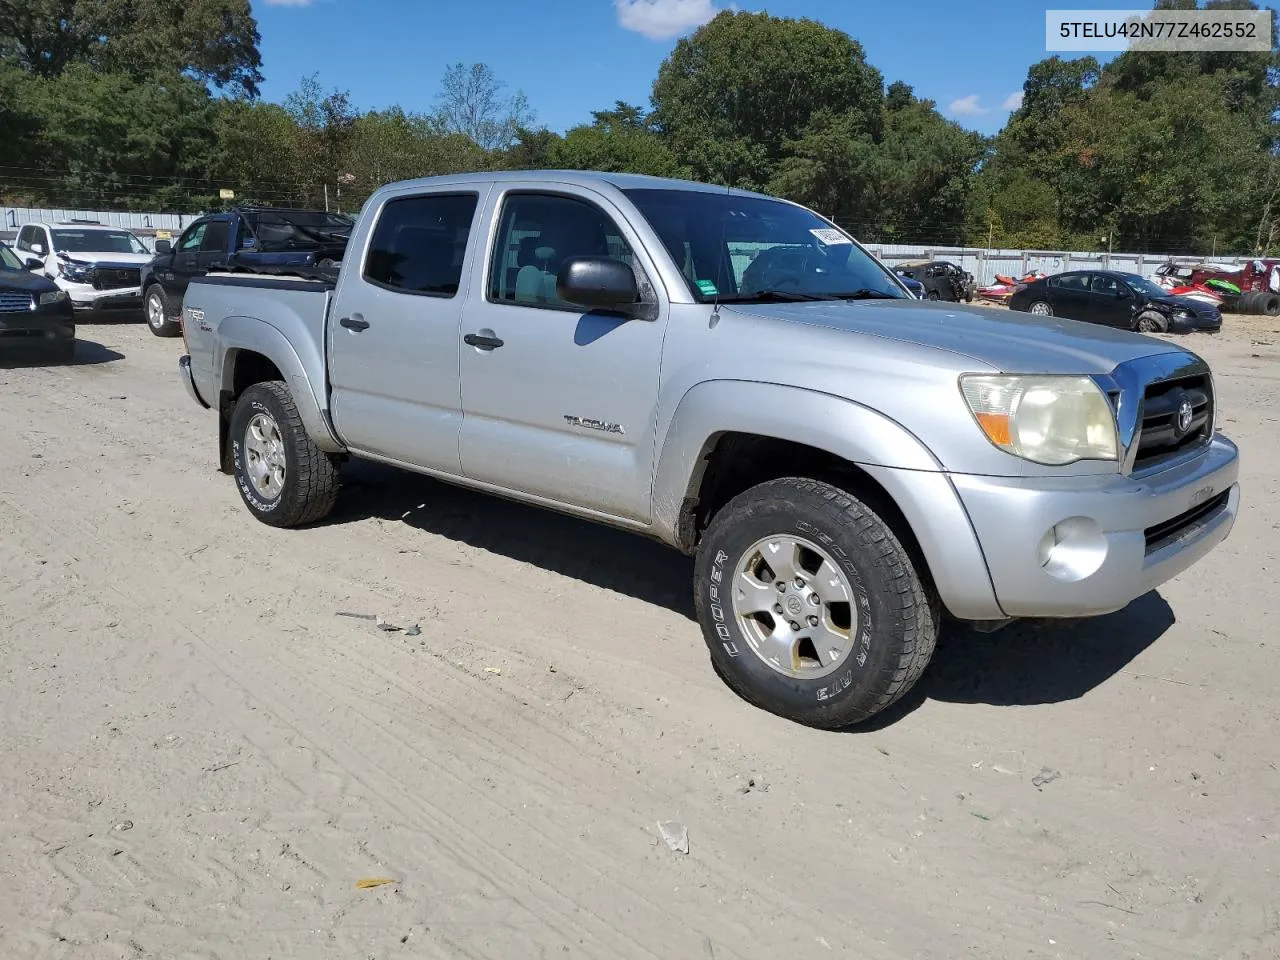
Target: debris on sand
[674,835]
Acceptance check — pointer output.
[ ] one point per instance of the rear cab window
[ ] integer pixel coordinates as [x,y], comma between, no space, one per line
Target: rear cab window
[419,243]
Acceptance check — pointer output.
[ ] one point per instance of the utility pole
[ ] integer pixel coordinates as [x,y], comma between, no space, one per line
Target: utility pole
[326,198]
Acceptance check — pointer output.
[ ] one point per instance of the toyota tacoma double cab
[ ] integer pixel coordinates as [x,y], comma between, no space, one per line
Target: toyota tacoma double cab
[736,376]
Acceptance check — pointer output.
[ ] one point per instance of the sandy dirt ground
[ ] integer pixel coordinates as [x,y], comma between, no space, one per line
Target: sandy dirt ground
[202,759]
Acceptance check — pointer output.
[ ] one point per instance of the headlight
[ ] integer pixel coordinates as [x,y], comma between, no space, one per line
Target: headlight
[1182,314]
[75,272]
[54,296]
[1044,419]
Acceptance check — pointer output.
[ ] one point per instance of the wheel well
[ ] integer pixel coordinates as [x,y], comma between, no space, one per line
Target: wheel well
[251,368]
[734,462]
[247,369]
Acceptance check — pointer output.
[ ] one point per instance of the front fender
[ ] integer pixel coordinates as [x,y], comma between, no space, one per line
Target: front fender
[238,335]
[893,456]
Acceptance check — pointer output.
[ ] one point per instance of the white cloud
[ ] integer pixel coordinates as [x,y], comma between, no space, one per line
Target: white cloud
[663,19]
[966,106]
[1013,101]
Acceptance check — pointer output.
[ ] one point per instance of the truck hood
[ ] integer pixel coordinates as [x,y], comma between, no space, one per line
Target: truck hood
[1009,341]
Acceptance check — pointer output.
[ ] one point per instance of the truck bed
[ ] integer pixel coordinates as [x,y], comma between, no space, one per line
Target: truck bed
[282,313]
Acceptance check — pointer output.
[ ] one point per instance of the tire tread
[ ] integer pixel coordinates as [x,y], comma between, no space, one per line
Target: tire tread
[917,605]
[316,479]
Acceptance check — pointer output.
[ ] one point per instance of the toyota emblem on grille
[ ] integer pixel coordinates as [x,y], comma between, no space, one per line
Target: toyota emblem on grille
[1185,413]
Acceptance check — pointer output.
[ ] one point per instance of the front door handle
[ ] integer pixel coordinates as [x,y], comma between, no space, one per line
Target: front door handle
[484,343]
[355,323]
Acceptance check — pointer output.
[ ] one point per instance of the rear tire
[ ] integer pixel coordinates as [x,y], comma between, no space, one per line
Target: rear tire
[1041,309]
[820,662]
[1269,303]
[284,478]
[160,313]
[931,295]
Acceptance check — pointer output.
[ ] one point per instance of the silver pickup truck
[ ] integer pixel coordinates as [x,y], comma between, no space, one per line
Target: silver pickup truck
[738,377]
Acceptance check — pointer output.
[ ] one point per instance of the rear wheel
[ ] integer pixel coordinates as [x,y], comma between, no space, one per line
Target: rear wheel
[160,313]
[284,478]
[810,606]
[931,295]
[1041,309]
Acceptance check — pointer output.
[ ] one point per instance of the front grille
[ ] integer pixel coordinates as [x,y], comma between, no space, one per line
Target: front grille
[1162,436]
[15,302]
[1162,534]
[114,279]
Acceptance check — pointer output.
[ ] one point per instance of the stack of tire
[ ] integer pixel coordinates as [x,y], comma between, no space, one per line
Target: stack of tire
[1257,301]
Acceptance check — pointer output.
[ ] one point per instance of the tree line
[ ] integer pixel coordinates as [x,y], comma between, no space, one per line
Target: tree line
[154,104]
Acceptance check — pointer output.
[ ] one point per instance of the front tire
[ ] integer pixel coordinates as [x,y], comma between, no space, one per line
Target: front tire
[810,606]
[284,478]
[1151,322]
[160,313]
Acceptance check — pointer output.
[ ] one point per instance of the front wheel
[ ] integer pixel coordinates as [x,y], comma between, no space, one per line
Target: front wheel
[159,314]
[1151,322]
[931,295]
[284,478]
[809,604]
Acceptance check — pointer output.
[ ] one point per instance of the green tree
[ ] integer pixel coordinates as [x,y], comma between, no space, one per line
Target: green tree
[734,97]
[213,41]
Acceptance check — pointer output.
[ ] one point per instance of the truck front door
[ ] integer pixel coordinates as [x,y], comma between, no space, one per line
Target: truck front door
[394,331]
[559,402]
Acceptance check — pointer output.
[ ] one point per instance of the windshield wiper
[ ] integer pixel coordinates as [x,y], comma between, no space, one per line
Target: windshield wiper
[866,293]
[779,296]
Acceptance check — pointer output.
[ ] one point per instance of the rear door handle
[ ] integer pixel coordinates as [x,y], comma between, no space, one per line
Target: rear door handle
[484,343]
[355,323]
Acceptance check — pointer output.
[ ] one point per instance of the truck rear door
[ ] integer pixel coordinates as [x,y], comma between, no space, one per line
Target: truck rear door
[394,329]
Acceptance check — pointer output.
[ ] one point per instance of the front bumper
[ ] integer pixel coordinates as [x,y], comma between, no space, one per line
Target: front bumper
[189,381]
[1120,537]
[1196,325]
[85,297]
[30,327]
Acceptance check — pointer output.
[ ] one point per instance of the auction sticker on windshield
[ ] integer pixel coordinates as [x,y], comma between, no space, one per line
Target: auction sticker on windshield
[830,237]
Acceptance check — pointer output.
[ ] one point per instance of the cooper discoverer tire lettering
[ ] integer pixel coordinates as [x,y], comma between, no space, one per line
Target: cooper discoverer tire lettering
[283,477]
[798,654]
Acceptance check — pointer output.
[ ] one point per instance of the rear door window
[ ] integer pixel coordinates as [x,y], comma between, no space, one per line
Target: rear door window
[419,243]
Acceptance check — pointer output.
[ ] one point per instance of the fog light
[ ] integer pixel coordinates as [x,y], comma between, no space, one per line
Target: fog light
[1072,550]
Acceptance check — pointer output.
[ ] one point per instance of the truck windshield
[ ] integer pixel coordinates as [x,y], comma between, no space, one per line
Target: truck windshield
[740,248]
[96,241]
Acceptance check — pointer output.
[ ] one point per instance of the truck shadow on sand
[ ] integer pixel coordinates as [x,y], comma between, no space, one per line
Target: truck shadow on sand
[1026,663]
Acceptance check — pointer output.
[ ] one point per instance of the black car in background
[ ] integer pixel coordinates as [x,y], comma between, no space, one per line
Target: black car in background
[34,312]
[253,237]
[1115,299]
[941,279]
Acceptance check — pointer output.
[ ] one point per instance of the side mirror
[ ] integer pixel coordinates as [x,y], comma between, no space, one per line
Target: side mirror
[38,248]
[34,263]
[163,246]
[598,282]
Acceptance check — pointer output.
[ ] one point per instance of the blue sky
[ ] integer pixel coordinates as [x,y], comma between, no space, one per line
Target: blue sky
[574,56]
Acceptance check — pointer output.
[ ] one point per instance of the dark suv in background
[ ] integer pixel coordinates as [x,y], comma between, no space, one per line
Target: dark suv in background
[251,237]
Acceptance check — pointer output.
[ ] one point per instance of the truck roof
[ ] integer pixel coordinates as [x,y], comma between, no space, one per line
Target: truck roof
[620,181]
